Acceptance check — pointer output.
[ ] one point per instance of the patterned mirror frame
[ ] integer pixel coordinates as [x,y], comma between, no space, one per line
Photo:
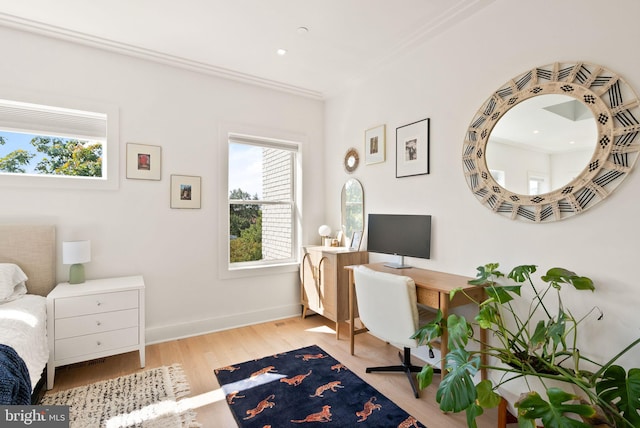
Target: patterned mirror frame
[615,107]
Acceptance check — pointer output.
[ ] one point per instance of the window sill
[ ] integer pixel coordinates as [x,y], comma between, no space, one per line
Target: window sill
[258,270]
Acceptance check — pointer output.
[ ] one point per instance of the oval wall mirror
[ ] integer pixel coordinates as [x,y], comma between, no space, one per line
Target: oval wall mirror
[352,216]
[552,142]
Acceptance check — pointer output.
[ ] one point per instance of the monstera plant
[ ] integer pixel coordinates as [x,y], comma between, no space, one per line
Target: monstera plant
[534,342]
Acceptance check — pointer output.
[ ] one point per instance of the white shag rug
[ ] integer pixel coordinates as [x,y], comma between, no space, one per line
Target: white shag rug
[146,399]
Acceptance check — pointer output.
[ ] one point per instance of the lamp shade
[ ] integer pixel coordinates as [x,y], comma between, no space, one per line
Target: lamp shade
[324,230]
[74,252]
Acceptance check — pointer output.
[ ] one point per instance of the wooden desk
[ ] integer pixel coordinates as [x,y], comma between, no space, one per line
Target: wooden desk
[433,289]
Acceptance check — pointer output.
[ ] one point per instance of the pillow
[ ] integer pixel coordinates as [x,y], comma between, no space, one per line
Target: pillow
[12,281]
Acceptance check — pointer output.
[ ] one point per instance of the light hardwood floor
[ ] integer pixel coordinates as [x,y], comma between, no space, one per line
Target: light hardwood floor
[200,355]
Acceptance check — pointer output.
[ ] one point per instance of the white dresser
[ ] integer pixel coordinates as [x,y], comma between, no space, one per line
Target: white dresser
[95,319]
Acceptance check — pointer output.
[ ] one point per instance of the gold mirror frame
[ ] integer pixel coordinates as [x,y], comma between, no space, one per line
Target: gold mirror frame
[613,103]
[352,154]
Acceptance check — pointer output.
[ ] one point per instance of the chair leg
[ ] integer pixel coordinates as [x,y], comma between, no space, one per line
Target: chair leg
[406,367]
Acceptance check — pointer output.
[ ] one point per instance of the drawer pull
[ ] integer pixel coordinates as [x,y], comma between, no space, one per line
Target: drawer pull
[98,303]
[98,323]
[98,343]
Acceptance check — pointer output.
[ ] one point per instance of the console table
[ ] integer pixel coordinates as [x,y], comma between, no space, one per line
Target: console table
[433,289]
[324,287]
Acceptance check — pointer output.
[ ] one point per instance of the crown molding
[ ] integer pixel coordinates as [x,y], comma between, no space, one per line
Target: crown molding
[35,27]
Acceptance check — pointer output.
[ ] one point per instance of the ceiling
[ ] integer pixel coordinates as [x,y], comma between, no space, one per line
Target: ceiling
[238,39]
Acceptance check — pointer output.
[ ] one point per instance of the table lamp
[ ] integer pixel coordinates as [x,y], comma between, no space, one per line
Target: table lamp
[325,232]
[75,253]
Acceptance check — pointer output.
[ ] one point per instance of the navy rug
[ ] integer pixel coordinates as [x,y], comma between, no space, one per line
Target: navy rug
[305,387]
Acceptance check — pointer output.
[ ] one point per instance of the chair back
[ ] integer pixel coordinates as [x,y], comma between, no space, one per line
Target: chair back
[387,305]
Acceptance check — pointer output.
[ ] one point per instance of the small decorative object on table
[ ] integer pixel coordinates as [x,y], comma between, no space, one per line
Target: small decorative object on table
[356,237]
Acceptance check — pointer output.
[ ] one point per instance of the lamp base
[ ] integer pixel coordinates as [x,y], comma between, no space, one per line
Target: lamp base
[76,274]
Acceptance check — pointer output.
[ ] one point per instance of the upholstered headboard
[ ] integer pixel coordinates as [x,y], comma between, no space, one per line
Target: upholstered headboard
[33,248]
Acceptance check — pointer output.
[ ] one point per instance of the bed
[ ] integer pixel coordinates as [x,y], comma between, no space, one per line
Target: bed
[23,316]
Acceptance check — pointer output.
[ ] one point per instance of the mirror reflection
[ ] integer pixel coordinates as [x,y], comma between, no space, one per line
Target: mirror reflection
[541,144]
[352,208]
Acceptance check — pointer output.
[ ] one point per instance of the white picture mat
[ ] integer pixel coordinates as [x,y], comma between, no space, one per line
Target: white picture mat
[185,191]
[134,169]
[412,149]
[375,144]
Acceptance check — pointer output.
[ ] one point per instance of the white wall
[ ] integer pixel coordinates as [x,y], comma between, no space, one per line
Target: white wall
[132,229]
[447,79]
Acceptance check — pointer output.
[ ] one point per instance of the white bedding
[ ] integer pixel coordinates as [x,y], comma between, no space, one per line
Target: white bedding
[23,326]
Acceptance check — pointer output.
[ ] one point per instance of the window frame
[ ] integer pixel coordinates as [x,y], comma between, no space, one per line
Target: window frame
[266,138]
[111,149]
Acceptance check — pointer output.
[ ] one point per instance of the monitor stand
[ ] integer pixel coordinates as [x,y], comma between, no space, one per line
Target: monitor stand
[400,265]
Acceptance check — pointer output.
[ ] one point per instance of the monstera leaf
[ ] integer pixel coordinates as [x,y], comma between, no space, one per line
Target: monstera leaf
[616,387]
[531,406]
[430,331]
[557,276]
[457,391]
[459,331]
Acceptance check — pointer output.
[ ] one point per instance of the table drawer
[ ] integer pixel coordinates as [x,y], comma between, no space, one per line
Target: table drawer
[96,323]
[428,298]
[95,343]
[95,303]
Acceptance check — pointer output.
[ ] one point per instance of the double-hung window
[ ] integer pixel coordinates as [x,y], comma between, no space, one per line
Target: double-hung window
[262,202]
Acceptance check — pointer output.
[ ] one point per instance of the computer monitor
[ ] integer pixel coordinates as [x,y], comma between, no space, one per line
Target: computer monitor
[399,234]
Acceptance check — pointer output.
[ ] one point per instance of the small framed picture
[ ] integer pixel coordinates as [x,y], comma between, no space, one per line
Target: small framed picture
[144,162]
[356,237]
[412,149]
[185,191]
[375,144]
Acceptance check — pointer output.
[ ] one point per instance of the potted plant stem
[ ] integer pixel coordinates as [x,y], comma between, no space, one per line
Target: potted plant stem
[536,342]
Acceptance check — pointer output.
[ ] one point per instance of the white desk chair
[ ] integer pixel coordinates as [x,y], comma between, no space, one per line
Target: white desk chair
[388,309]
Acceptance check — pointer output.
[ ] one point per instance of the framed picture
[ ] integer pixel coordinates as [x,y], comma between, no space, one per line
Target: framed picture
[375,144]
[356,237]
[412,149]
[144,162]
[185,191]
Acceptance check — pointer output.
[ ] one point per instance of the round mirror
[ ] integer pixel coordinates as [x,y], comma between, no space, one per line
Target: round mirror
[352,208]
[351,160]
[541,144]
[588,99]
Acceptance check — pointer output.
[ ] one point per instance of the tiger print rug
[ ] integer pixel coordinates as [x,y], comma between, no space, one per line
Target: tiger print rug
[305,387]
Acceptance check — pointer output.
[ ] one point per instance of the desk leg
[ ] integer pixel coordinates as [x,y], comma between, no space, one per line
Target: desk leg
[351,310]
[444,339]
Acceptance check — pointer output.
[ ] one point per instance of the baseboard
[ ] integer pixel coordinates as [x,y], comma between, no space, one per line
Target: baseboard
[211,325]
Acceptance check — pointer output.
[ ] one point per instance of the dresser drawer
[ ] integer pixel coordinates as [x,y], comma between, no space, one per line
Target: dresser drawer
[96,323]
[95,343]
[95,303]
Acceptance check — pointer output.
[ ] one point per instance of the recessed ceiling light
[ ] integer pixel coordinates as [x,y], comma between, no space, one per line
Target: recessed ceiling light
[535,131]
[281,52]
[572,142]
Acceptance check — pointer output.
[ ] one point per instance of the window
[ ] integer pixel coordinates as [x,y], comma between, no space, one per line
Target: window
[538,183]
[42,145]
[262,202]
